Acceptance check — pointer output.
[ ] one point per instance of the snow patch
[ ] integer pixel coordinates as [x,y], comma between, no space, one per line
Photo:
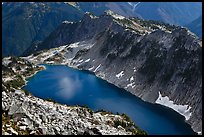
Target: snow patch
[131,79]
[199,133]
[131,85]
[74,45]
[81,61]
[87,60]
[67,22]
[91,68]
[134,69]
[118,16]
[93,17]
[119,75]
[50,62]
[97,68]
[181,109]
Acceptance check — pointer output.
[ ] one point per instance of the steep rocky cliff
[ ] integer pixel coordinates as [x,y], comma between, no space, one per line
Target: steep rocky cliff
[147,58]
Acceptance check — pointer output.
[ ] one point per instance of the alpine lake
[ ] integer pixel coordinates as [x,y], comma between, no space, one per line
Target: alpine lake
[70,86]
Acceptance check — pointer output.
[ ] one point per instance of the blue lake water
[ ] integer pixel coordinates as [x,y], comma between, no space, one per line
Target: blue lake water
[74,87]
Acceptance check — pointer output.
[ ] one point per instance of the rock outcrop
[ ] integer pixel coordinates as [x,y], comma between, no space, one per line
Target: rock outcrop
[37,116]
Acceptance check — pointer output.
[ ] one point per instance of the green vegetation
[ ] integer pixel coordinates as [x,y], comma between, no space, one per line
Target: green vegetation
[96,122]
[121,123]
[7,120]
[27,92]
[103,112]
[153,24]
[135,30]
[129,125]
[51,100]
[7,71]
[125,21]
[31,70]
[110,123]
[15,83]
[88,109]
[126,117]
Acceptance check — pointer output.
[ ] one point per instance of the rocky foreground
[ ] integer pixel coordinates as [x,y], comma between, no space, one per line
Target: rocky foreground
[24,114]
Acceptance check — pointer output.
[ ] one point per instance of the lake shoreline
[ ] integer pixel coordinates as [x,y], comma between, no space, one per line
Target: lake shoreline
[103,78]
[100,77]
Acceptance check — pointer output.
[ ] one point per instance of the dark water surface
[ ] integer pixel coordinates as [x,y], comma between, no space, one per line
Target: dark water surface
[74,87]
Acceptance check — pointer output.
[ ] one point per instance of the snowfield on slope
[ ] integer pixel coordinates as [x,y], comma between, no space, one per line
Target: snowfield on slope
[181,109]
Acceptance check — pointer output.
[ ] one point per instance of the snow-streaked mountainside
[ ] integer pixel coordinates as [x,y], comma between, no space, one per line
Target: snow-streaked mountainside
[160,63]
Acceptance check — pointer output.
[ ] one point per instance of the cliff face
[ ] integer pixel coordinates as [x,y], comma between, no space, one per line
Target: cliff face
[144,57]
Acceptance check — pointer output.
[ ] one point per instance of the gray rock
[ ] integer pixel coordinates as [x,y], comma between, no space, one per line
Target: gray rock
[14,108]
[12,131]
[32,132]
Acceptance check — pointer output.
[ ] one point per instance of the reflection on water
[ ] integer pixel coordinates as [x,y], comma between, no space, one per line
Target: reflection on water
[68,87]
[73,87]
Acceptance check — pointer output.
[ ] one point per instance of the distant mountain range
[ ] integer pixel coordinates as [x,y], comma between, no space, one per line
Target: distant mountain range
[178,13]
[196,26]
[27,23]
